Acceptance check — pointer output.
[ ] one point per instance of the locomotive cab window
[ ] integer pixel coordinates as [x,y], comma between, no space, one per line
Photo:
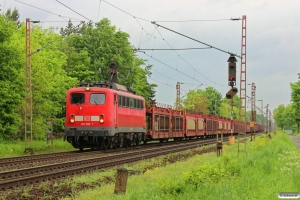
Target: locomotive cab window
[120,101]
[131,100]
[97,99]
[135,103]
[127,102]
[123,101]
[77,98]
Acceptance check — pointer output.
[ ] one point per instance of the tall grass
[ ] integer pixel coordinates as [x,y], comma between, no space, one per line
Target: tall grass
[269,167]
[16,148]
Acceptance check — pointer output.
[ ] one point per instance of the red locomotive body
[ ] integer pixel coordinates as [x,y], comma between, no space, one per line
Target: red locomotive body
[104,115]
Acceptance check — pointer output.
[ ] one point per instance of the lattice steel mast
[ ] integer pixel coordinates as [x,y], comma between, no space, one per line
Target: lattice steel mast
[242,111]
[253,111]
[28,93]
[178,95]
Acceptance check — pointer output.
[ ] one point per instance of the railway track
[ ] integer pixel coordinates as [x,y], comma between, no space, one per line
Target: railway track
[22,177]
[43,159]
[33,175]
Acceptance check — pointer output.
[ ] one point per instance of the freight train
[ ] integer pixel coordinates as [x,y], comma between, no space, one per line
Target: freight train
[108,115]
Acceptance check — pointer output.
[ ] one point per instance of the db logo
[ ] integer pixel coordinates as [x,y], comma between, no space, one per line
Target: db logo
[86,118]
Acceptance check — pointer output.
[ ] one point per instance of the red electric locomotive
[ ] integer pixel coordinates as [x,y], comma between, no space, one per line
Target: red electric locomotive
[104,114]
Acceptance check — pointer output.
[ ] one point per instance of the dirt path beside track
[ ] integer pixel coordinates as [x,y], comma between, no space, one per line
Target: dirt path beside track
[296,140]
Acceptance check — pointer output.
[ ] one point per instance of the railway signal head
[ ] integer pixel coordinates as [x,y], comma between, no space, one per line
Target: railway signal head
[231,70]
[231,93]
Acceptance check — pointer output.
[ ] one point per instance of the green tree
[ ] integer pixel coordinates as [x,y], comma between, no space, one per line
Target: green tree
[71,29]
[213,97]
[225,107]
[11,84]
[13,16]
[279,116]
[295,98]
[196,101]
[140,83]
[50,81]
[224,110]
[289,120]
[94,50]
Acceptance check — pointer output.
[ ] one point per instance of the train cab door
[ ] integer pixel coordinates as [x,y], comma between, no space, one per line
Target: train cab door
[115,109]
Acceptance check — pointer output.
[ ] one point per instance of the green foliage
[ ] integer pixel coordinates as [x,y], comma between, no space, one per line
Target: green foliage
[196,101]
[285,118]
[92,52]
[295,97]
[58,62]
[279,116]
[205,174]
[50,81]
[13,16]
[224,109]
[140,83]
[207,101]
[71,29]
[213,97]
[289,120]
[16,148]
[11,63]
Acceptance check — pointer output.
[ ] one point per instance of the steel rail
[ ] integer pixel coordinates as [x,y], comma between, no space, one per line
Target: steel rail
[16,178]
[35,160]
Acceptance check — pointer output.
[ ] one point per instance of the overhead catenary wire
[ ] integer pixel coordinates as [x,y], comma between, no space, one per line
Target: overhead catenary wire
[98,10]
[171,67]
[201,20]
[57,21]
[74,11]
[189,63]
[125,11]
[46,10]
[172,49]
[166,84]
[230,53]
[151,35]
[141,42]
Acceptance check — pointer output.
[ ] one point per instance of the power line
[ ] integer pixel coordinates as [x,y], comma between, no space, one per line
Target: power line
[126,12]
[199,20]
[187,62]
[195,39]
[57,21]
[165,84]
[233,19]
[98,11]
[172,49]
[171,67]
[73,10]
[192,90]
[46,10]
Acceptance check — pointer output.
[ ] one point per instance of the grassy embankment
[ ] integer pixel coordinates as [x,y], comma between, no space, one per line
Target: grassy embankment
[270,166]
[16,148]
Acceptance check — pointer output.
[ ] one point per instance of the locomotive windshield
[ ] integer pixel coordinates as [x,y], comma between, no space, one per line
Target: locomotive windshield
[77,98]
[97,99]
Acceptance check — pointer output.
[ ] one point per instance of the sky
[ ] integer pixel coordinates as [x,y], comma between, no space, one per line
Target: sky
[272,40]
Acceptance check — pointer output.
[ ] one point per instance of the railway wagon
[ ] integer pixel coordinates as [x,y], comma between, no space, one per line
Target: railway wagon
[102,115]
[108,115]
[195,125]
